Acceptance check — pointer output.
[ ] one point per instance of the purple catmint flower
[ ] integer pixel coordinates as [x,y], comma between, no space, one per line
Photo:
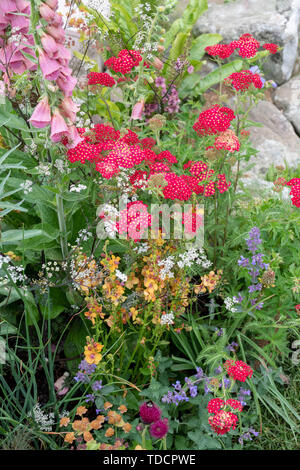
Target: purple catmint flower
[97,385]
[90,397]
[254,239]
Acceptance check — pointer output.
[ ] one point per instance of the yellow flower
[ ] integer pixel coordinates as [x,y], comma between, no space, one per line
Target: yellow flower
[92,352]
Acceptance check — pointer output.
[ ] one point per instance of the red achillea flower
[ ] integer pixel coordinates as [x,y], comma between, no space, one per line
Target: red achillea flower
[196,168]
[247,45]
[215,405]
[148,142]
[241,81]
[107,168]
[222,184]
[149,412]
[272,48]
[228,141]
[210,189]
[245,133]
[176,188]
[235,404]
[159,429]
[214,120]
[104,79]
[134,220]
[223,51]
[238,370]
[223,421]
[295,191]
[297,307]
[125,61]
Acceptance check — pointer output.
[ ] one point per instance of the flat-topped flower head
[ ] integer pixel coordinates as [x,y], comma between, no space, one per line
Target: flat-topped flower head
[214,120]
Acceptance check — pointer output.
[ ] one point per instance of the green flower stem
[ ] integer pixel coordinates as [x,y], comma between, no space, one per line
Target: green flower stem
[62,225]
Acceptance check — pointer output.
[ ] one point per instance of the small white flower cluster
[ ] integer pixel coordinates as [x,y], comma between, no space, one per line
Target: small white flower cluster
[4,260]
[82,120]
[229,302]
[142,248]
[51,267]
[110,215]
[43,420]
[80,271]
[44,169]
[167,319]
[101,6]
[167,264]
[193,255]
[123,277]
[62,166]
[16,273]
[26,186]
[31,148]
[78,188]
[83,236]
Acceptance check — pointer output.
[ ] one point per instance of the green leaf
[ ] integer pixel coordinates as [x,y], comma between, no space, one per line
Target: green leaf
[187,21]
[200,43]
[219,75]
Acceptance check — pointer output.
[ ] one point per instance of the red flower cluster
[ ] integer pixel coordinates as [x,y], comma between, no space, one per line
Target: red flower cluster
[295,191]
[297,307]
[238,370]
[215,405]
[214,120]
[272,48]
[223,421]
[201,174]
[124,62]
[96,78]
[247,46]
[223,51]
[134,220]
[112,151]
[227,141]
[241,81]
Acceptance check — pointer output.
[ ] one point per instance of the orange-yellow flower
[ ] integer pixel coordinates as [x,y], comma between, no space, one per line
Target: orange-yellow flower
[92,352]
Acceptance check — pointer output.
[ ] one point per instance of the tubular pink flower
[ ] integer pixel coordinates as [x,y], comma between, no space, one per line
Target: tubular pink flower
[57,20]
[50,67]
[23,6]
[52,4]
[66,84]
[7,6]
[41,116]
[69,109]
[50,46]
[57,33]
[137,110]
[59,127]
[63,55]
[46,12]
[73,138]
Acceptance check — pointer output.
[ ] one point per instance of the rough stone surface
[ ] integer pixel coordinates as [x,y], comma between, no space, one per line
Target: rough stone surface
[276,141]
[268,21]
[287,98]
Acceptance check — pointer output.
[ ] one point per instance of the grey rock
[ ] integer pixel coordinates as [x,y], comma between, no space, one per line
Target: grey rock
[287,98]
[268,21]
[276,141]
[261,189]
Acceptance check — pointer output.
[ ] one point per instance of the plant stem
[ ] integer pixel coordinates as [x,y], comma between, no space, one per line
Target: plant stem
[62,226]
